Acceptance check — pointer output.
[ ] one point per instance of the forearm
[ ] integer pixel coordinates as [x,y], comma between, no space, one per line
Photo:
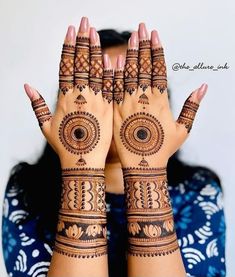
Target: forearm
[153,248]
[81,244]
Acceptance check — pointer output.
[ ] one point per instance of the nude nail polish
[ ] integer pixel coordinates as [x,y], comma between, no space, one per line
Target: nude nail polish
[134,39]
[155,38]
[93,35]
[120,62]
[70,36]
[202,91]
[28,91]
[83,25]
[143,31]
[106,61]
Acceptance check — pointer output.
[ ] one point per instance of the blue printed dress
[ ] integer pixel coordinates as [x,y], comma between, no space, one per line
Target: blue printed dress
[199,217]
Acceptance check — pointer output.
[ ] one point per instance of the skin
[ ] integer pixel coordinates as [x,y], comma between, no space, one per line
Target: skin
[111,153]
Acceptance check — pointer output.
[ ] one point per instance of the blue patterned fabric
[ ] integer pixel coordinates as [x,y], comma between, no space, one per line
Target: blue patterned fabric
[199,218]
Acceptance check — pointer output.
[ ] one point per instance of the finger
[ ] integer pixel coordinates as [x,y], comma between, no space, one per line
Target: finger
[66,73]
[145,63]
[190,107]
[159,74]
[96,62]
[81,75]
[119,80]
[107,90]
[131,66]
[39,106]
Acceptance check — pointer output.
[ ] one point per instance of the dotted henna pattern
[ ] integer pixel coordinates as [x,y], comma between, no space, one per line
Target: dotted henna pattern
[79,132]
[142,134]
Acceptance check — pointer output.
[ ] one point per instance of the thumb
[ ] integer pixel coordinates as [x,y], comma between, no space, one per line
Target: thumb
[40,107]
[190,107]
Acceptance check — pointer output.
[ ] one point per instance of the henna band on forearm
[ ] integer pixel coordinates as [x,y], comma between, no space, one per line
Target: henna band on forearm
[145,65]
[66,74]
[81,230]
[151,229]
[188,114]
[159,76]
[41,110]
[82,61]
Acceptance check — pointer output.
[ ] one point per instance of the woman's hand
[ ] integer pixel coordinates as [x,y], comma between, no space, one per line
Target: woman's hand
[145,131]
[80,130]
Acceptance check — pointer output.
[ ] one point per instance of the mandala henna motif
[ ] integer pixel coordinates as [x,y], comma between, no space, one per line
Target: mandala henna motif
[107,91]
[150,226]
[41,110]
[66,74]
[145,64]
[131,71]
[79,132]
[159,78]
[142,134]
[118,86]
[81,229]
[96,69]
[188,114]
[82,61]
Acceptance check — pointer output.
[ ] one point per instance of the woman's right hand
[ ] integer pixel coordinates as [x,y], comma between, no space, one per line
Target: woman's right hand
[81,126]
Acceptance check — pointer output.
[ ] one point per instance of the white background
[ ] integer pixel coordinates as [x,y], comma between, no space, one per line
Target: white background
[32,33]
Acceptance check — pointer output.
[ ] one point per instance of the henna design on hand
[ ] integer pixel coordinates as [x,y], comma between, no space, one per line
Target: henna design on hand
[81,229]
[151,229]
[159,78]
[145,64]
[107,91]
[82,61]
[80,100]
[142,134]
[188,114]
[79,132]
[131,71]
[118,86]
[96,68]
[66,74]
[41,110]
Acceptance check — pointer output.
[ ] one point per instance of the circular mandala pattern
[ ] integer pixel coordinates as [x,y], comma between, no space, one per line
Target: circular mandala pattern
[142,134]
[79,132]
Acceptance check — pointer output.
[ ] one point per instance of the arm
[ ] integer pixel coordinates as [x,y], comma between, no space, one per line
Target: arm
[80,131]
[146,135]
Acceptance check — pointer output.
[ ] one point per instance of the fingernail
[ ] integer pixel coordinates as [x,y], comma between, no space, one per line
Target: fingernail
[83,25]
[70,36]
[134,40]
[202,91]
[106,61]
[155,38]
[28,91]
[93,35]
[120,62]
[143,31]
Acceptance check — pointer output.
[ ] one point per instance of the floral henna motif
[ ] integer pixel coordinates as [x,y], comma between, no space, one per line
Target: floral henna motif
[81,229]
[41,110]
[131,71]
[159,78]
[107,91]
[96,69]
[79,132]
[145,65]
[188,114]
[82,61]
[66,73]
[151,229]
[142,134]
[118,86]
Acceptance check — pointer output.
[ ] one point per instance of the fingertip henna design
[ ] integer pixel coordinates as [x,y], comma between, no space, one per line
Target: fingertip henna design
[142,134]
[188,114]
[118,86]
[82,61]
[41,110]
[159,78]
[131,71]
[151,230]
[107,91]
[66,74]
[145,64]
[81,229]
[79,132]
[96,69]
